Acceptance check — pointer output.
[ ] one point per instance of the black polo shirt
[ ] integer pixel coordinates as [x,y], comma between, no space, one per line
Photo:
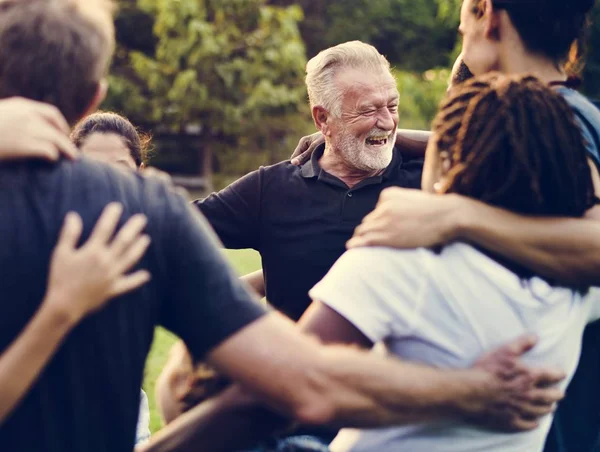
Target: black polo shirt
[87,398]
[299,220]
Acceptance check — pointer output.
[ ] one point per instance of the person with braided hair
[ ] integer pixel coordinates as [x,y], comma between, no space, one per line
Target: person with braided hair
[440,307]
[546,38]
[443,307]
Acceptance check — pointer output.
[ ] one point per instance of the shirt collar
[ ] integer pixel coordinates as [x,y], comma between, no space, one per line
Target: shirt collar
[312,169]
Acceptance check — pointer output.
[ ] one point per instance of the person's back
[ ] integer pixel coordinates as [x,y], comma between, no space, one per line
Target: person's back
[443,307]
[88,397]
[454,305]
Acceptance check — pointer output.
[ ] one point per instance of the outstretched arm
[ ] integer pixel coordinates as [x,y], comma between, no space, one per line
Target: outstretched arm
[81,281]
[564,249]
[342,386]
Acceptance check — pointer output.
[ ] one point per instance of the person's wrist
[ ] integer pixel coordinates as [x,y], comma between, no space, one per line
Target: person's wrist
[460,219]
[61,314]
[473,393]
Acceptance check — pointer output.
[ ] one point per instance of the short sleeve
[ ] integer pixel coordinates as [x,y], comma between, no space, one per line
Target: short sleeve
[378,290]
[202,299]
[593,297]
[234,212]
[590,140]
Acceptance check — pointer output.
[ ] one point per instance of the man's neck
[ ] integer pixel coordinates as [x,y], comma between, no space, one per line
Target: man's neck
[332,162]
[542,68]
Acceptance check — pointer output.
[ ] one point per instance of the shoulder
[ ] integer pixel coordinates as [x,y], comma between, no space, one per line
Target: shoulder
[98,182]
[385,265]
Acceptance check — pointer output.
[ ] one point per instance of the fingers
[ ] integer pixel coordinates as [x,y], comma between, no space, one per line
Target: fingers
[521,345]
[545,398]
[106,224]
[130,282]
[51,142]
[128,234]
[302,147]
[521,424]
[546,378]
[132,255]
[53,116]
[71,231]
[367,239]
[301,159]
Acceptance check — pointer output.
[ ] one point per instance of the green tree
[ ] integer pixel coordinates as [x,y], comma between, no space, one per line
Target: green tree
[232,70]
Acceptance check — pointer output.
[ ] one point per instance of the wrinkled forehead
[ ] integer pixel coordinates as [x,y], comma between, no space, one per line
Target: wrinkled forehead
[367,86]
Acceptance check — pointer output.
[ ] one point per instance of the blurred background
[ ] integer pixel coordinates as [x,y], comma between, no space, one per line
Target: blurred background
[220,83]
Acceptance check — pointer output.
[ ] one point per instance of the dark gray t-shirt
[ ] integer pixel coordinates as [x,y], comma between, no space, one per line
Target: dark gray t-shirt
[87,398]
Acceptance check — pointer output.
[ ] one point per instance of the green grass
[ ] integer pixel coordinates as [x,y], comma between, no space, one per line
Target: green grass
[244,261]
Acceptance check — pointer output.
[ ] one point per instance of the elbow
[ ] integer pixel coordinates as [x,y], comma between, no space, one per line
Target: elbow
[315,412]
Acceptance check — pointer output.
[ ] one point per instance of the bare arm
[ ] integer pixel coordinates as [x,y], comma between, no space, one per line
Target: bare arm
[567,250]
[337,385]
[81,282]
[256,281]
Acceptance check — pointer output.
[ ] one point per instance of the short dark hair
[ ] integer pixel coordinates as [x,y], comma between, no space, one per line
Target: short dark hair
[555,29]
[55,51]
[108,122]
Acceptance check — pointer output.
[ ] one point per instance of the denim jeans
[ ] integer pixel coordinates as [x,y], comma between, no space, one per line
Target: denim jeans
[301,443]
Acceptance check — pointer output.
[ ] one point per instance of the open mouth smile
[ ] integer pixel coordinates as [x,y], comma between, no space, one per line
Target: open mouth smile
[377,140]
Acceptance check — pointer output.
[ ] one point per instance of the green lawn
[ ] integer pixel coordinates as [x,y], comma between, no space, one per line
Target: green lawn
[244,261]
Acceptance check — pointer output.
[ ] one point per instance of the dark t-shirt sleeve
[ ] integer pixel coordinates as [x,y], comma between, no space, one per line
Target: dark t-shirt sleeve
[203,301]
[234,212]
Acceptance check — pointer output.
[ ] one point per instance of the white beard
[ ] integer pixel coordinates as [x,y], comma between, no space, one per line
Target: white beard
[360,155]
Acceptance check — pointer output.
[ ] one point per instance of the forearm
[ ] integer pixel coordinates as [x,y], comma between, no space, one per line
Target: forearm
[370,391]
[567,250]
[25,358]
[231,421]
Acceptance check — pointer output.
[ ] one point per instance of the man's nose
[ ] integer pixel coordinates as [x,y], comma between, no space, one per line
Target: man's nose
[386,119]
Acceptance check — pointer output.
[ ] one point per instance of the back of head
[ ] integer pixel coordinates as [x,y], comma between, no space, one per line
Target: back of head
[322,69]
[551,28]
[108,122]
[512,142]
[55,51]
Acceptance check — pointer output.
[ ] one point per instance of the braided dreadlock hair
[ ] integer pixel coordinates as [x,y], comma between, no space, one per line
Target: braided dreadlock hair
[512,142]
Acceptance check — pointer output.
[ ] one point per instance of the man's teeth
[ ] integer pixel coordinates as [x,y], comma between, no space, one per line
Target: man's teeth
[377,140]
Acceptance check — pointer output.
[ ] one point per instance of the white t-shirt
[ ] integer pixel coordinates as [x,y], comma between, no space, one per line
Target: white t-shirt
[446,310]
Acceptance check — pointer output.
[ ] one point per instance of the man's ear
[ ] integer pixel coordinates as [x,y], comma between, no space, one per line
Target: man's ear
[321,117]
[491,21]
[99,96]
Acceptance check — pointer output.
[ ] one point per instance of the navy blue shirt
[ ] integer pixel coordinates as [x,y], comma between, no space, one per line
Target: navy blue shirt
[299,220]
[87,398]
[576,426]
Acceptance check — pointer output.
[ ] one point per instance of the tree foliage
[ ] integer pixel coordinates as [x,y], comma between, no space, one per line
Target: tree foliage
[231,70]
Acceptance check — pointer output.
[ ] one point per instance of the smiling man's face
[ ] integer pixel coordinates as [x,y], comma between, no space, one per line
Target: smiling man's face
[365,132]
